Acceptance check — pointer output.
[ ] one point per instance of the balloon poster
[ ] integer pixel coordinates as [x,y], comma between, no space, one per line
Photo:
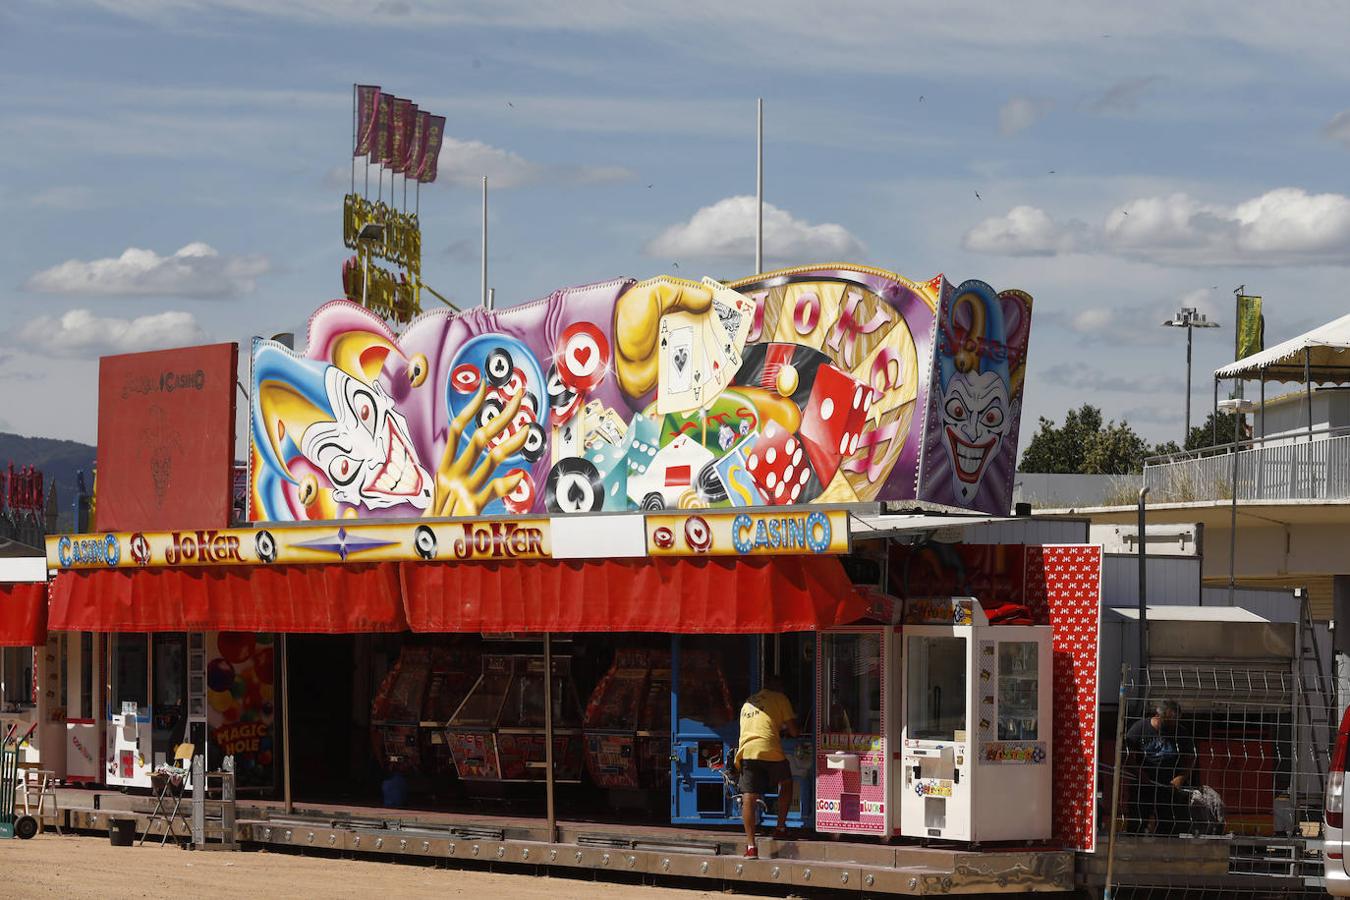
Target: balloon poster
[240,697]
[804,386]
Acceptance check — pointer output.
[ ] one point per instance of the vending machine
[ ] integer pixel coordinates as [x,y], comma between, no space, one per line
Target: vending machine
[157,700]
[977,746]
[857,726]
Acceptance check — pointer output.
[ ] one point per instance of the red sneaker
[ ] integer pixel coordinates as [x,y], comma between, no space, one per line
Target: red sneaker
[752,852]
[780,834]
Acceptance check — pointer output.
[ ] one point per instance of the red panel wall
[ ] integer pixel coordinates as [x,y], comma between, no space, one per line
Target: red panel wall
[166,439]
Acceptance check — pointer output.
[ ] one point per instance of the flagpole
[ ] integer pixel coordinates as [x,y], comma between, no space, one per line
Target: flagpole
[484,285]
[759,185]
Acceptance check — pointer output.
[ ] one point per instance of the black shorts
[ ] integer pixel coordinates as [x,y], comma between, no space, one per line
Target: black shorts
[762,776]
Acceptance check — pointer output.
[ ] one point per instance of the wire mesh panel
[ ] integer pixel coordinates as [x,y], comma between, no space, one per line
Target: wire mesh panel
[1221,781]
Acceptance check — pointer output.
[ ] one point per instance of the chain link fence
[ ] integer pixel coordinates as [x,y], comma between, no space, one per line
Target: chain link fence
[1213,781]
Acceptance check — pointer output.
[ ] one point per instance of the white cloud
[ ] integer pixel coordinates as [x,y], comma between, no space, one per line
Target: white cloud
[1282,227]
[1020,113]
[1286,226]
[81,333]
[727,230]
[1338,129]
[1025,231]
[195,270]
[466,162]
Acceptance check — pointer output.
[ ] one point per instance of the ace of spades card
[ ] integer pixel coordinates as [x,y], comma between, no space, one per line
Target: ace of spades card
[682,362]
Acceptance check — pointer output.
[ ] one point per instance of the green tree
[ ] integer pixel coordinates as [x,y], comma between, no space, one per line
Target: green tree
[1203,436]
[1086,445]
[1061,450]
[1114,450]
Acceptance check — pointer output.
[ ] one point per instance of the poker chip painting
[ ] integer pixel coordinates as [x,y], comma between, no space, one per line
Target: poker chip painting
[573,486]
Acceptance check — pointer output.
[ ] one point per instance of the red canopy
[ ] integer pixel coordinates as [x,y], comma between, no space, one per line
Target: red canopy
[298,599]
[715,595]
[23,614]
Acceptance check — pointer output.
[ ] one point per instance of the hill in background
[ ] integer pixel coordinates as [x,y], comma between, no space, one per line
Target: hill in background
[58,460]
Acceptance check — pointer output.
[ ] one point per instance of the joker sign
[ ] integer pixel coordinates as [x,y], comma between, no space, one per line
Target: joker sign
[366,453]
[975,418]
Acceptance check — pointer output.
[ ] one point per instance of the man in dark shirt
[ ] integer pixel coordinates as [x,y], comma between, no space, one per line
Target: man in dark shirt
[1163,760]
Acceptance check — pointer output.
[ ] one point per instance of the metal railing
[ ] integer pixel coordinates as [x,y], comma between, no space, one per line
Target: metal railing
[1272,469]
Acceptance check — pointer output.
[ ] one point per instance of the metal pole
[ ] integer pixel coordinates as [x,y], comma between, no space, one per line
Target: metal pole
[759,185]
[1143,585]
[1307,382]
[1214,418]
[1232,536]
[1115,783]
[548,735]
[1187,434]
[285,725]
[484,298]
[492,298]
[353,137]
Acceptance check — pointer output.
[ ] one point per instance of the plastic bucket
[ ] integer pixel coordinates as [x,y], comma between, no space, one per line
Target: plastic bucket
[122,832]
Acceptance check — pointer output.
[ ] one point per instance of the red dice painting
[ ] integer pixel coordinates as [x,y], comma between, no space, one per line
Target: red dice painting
[834,417]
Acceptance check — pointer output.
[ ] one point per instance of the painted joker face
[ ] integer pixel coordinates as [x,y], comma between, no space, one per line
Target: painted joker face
[366,453]
[975,418]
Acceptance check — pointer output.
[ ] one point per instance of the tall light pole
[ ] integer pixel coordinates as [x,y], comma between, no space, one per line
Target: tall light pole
[1188,317]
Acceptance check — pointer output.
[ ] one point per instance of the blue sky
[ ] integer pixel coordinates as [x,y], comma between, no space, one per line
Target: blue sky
[173,169]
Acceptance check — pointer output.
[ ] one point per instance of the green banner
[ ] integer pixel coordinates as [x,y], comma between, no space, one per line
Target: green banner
[1251,326]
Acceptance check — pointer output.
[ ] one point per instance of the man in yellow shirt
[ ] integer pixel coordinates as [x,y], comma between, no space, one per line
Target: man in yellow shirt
[761,759]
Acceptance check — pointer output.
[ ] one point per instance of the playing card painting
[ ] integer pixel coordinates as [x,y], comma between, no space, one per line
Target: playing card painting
[798,386]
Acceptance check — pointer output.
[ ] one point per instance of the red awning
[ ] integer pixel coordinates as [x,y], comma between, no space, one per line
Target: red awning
[715,596]
[23,614]
[297,599]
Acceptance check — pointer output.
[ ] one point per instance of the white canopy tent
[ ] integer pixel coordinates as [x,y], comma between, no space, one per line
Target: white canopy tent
[1320,356]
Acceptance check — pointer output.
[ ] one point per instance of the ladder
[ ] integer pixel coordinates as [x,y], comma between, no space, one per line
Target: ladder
[1316,710]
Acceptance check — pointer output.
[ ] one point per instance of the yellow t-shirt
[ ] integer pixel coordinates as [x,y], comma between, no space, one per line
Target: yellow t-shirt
[762,717]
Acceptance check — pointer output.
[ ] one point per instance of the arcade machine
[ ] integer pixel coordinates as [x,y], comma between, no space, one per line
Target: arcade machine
[157,700]
[627,723]
[857,728]
[977,748]
[715,674]
[497,734]
[416,699]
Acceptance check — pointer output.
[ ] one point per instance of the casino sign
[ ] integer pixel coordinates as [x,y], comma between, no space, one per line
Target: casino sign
[801,532]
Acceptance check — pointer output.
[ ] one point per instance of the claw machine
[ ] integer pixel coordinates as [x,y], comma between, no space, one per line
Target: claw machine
[977,739]
[857,728]
[156,700]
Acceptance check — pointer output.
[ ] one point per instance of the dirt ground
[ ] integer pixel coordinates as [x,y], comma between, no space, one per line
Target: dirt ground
[89,867]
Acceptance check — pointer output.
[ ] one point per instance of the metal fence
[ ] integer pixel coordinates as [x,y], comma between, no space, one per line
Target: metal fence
[1317,469]
[1220,785]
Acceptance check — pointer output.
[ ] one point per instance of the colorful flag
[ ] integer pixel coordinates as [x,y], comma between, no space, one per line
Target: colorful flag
[435,132]
[379,146]
[400,133]
[1251,326]
[367,111]
[417,147]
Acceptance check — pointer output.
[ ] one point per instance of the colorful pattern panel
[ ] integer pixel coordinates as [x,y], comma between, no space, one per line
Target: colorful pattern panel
[800,386]
[974,409]
[1064,588]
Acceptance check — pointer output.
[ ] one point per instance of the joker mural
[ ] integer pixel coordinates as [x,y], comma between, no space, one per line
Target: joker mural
[975,414]
[800,386]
